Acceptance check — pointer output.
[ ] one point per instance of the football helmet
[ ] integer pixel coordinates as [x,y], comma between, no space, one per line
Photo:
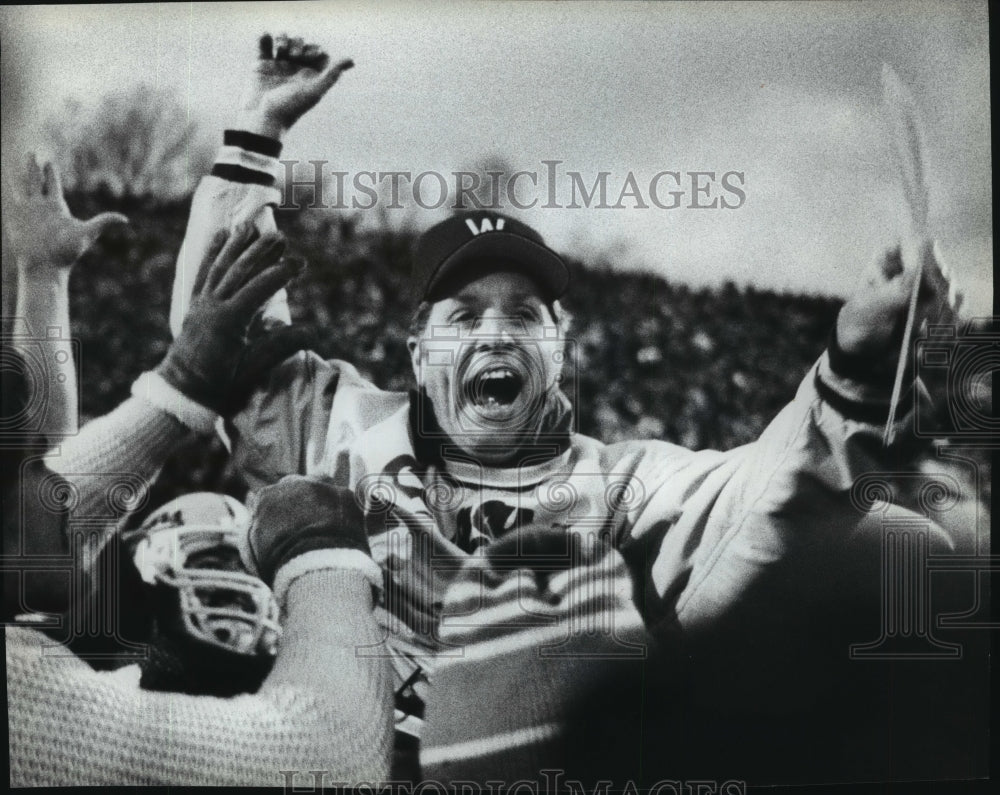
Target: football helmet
[191,547]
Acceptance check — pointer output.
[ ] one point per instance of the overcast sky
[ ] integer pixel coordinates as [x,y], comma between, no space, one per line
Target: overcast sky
[788,94]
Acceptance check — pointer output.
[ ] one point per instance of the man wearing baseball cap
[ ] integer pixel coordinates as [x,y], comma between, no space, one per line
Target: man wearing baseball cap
[498,526]
[488,290]
[465,247]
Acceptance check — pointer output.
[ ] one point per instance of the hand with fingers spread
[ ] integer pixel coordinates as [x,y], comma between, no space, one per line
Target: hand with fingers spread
[240,272]
[45,236]
[290,78]
[46,240]
[870,324]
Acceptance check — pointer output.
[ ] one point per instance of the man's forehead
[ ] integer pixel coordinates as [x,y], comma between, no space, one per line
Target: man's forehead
[500,285]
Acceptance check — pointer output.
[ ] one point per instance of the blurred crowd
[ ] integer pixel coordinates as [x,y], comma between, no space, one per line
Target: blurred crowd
[703,368]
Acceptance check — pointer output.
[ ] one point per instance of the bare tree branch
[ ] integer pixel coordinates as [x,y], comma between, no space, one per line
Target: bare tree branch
[136,143]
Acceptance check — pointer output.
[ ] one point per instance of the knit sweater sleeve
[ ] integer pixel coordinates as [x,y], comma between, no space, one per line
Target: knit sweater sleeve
[111,462]
[322,707]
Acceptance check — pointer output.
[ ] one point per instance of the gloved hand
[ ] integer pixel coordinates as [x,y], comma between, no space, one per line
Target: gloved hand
[206,360]
[301,514]
[265,349]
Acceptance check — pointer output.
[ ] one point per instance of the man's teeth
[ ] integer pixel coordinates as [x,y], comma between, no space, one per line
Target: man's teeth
[496,387]
[503,372]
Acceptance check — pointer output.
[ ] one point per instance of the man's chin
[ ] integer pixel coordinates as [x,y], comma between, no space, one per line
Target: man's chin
[493,417]
[494,433]
[496,419]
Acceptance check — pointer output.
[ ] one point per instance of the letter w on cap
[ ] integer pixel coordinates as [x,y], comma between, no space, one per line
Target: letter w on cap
[486,225]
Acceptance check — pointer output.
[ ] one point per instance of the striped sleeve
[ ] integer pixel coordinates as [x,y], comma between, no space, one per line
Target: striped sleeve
[243,186]
[545,634]
[248,158]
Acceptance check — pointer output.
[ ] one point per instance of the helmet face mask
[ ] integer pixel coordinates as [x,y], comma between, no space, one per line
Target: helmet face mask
[191,547]
[227,609]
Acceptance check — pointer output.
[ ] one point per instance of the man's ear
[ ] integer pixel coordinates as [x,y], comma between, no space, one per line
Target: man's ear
[557,376]
[413,346]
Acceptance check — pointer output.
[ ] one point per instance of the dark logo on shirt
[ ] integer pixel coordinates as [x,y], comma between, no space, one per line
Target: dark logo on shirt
[489,521]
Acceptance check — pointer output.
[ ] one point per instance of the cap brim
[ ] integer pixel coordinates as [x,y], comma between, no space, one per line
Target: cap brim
[500,251]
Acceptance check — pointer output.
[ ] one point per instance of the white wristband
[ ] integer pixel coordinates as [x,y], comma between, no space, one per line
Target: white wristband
[321,559]
[152,388]
[234,156]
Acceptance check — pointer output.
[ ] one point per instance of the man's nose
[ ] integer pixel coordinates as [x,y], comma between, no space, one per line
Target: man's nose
[499,326]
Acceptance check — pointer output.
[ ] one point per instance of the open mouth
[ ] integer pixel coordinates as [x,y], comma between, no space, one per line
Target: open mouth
[495,387]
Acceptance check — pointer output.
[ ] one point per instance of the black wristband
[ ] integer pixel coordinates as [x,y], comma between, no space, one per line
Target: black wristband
[248,176]
[865,369]
[874,413]
[252,142]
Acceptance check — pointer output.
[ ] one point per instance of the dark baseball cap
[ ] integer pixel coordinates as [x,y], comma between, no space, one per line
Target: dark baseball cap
[471,245]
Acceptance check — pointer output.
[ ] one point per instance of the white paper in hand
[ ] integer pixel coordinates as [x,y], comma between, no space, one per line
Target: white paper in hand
[906,129]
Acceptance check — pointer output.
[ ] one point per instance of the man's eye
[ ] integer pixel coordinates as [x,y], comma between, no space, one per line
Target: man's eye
[528,313]
[462,316]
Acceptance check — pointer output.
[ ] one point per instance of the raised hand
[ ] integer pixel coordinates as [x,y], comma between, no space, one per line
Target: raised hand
[45,236]
[239,274]
[291,76]
[871,323]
